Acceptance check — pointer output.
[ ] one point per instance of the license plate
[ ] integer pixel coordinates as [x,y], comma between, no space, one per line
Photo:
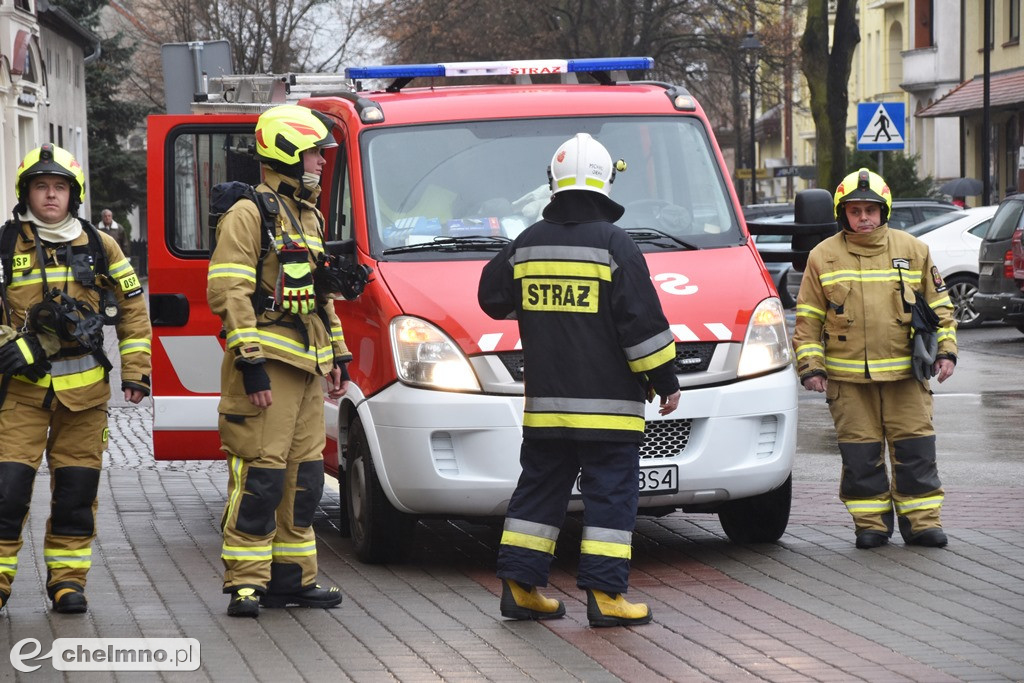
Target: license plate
[654,481]
[988,269]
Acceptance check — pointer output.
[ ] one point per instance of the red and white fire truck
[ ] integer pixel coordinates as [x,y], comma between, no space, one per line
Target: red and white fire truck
[428,182]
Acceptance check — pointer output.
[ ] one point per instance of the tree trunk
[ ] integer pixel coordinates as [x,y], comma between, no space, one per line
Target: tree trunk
[828,76]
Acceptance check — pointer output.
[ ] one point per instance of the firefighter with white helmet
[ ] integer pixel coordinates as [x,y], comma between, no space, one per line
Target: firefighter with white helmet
[858,340]
[282,336]
[62,281]
[596,344]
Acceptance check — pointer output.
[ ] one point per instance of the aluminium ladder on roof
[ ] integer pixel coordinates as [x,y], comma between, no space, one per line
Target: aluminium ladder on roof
[255,93]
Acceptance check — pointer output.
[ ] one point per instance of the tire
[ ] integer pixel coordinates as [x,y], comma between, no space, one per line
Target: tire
[380,533]
[759,519]
[787,299]
[962,289]
[344,526]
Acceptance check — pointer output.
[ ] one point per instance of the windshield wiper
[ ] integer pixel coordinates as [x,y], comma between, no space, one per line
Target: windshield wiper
[650,235]
[467,243]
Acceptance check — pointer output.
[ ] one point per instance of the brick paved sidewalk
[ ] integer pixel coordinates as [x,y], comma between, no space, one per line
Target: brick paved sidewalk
[810,608]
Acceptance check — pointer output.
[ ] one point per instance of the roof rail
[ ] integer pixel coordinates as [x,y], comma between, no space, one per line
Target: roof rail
[261,89]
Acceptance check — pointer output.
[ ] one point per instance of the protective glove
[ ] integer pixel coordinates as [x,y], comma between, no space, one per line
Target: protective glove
[295,284]
[24,356]
[135,386]
[923,354]
[343,366]
[254,376]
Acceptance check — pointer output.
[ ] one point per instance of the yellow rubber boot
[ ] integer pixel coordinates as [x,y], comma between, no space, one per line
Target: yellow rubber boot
[605,610]
[526,602]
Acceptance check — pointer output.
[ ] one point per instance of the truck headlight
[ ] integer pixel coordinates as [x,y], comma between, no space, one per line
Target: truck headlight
[425,356]
[766,346]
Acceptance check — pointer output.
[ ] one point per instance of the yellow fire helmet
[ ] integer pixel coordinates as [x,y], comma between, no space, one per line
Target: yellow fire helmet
[49,159]
[862,186]
[284,132]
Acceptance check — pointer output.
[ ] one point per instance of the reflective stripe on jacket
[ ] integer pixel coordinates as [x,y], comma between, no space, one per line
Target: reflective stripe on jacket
[76,376]
[299,340]
[592,328]
[851,321]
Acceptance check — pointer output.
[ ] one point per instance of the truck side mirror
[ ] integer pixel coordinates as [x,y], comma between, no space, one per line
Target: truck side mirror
[814,220]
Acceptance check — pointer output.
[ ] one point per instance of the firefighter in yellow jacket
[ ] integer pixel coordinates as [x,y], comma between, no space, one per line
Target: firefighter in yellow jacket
[283,337]
[857,341]
[62,281]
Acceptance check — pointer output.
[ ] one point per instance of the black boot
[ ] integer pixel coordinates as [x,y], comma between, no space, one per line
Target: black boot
[314,596]
[70,601]
[929,538]
[871,539]
[244,603]
[4,597]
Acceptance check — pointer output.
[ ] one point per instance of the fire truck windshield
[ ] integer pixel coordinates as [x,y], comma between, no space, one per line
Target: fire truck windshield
[487,178]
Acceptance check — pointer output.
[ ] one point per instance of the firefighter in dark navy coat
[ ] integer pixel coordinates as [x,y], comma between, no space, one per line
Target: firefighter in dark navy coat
[596,344]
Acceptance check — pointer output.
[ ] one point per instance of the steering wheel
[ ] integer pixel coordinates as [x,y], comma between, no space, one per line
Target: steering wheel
[660,214]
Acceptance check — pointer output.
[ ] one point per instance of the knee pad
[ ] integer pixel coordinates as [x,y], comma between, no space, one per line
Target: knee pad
[74,491]
[15,494]
[263,490]
[309,489]
[864,473]
[915,471]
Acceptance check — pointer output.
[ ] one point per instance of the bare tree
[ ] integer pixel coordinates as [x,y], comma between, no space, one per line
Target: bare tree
[270,36]
[694,43]
[828,75]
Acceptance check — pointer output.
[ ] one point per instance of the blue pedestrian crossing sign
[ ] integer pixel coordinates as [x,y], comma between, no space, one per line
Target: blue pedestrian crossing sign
[881,126]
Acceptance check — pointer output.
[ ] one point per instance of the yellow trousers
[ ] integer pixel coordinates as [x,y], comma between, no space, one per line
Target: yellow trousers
[74,442]
[275,482]
[868,417]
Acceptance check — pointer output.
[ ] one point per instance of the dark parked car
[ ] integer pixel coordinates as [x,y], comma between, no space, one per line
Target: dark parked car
[999,297]
[771,213]
[904,213]
[907,212]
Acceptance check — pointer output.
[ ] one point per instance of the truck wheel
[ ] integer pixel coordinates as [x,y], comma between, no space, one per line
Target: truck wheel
[380,533]
[759,519]
[344,527]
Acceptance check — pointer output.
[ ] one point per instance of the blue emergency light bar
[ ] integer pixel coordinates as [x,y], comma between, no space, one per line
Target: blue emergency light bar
[523,67]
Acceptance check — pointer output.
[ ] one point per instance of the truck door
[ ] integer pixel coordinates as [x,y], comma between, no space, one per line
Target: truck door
[188,155]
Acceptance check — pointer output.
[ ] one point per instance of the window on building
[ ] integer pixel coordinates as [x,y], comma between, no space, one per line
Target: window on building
[1013,25]
[923,23]
[24,5]
[49,62]
[51,132]
[60,136]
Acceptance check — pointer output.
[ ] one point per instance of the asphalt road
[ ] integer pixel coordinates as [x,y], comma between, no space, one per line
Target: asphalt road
[979,416]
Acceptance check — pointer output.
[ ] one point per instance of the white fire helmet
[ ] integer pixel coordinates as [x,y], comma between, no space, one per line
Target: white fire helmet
[582,163]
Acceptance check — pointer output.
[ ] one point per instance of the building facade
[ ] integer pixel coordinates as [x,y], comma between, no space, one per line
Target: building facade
[43,54]
[928,55]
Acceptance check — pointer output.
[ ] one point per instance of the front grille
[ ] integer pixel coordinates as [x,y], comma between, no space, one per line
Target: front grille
[694,356]
[513,362]
[665,438]
[690,357]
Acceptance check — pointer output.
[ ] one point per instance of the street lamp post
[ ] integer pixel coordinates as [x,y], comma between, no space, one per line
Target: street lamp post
[751,48]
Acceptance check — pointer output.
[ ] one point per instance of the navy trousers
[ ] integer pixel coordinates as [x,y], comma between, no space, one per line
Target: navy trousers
[609,475]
